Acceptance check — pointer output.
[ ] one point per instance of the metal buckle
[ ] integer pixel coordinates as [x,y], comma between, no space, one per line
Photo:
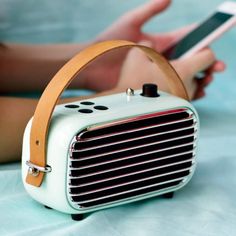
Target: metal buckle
[35,169]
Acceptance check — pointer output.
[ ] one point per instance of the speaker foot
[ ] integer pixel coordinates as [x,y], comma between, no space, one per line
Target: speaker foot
[168,195]
[77,217]
[47,207]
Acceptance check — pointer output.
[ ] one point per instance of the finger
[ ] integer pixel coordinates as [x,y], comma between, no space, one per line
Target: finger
[160,42]
[216,67]
[219,66]
[170,38]
[199,94]
[163,41]
[143,13]
[208,80]
[199,61]
[202,83]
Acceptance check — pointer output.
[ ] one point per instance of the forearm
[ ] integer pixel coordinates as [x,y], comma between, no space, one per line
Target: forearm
[15,113]
[30,67]
[14,117]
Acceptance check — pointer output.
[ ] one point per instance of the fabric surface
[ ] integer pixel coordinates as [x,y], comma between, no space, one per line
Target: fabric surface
[206,206]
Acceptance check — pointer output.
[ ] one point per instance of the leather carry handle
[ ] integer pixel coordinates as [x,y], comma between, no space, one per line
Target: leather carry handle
[62,79]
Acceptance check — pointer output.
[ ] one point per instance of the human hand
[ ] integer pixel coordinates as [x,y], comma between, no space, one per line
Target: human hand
[104,73]
[129,26]
[138,69]
[187,68]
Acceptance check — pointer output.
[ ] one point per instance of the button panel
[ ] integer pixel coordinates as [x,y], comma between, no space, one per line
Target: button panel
[84,107]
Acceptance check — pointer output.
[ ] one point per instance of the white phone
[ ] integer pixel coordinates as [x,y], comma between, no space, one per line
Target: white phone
[205,33]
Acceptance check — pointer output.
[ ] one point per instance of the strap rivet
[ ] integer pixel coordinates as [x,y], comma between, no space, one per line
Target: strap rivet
[35,169]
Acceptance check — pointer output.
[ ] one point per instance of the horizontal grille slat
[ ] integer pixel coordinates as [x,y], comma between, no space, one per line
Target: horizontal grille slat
[153,135]
[122,180]
[76,182]
[137,170]
[174,117]
[124,149]
[100,192]
[175,150]
[132,157]
[126,163]
[135,134]
[125,189]
[148,156]
[140,192]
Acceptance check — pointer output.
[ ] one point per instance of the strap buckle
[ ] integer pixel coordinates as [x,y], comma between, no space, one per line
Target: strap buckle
[35,169]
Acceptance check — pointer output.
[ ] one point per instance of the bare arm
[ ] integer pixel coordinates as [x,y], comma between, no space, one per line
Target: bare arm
[15,114]
[30,67]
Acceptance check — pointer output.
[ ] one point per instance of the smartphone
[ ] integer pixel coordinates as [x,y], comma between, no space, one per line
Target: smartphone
[205,33]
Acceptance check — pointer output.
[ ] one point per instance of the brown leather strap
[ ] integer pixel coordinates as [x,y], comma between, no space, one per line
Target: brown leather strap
[49,98]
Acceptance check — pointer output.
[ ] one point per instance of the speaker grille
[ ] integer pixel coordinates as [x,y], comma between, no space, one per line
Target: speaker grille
[133,157]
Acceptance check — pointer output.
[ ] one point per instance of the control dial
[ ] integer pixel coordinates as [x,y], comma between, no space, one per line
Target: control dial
[150,90]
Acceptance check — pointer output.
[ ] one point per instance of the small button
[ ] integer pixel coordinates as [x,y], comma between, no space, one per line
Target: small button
[102,108]
[129,92]
[87,103]
[85,111]
[71,106]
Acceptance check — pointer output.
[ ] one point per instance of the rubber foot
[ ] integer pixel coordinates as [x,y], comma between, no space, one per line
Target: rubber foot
[168,195]
[77,217]
[47,207]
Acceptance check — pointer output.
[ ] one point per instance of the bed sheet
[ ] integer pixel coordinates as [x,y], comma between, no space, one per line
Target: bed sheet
[206,206]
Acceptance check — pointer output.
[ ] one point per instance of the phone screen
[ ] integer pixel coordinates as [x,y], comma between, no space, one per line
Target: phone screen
[191,39]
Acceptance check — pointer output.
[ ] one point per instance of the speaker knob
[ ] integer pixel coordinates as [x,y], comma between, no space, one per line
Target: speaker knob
[150,90]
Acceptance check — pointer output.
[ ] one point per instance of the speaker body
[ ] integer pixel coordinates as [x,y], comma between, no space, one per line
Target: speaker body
[114,150]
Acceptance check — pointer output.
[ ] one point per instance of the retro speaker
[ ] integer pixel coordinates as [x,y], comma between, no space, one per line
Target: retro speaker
[107,151]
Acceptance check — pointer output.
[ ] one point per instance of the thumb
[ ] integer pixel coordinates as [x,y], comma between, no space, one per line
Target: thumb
[141,14]
[200,61]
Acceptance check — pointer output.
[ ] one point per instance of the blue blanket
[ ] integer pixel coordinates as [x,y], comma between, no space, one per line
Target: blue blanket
[206,206]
